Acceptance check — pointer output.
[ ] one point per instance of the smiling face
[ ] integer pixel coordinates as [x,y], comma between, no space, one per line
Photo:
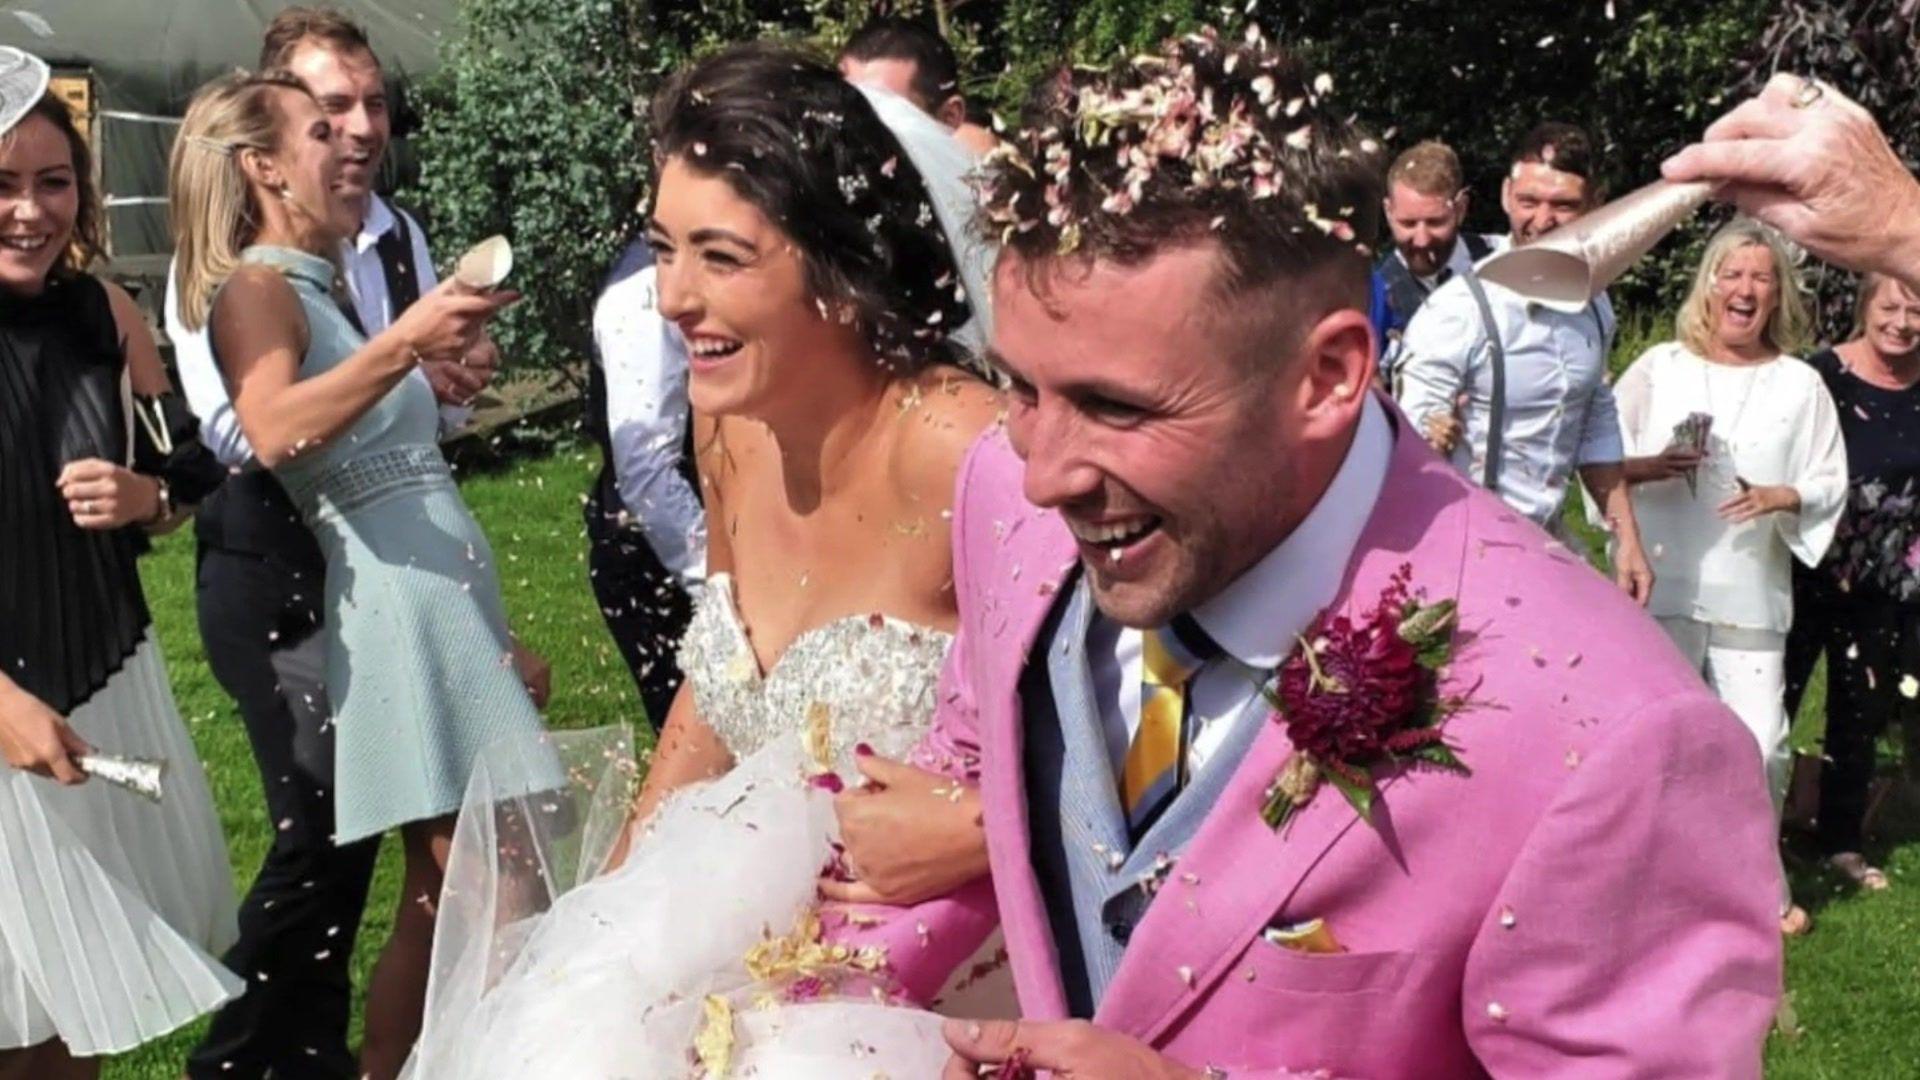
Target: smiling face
[1746,292]
[734,285]
[1893,321]
[1179,450]
[1424,226]
[1539,198]
[303,171]
[39,202]
[352,93]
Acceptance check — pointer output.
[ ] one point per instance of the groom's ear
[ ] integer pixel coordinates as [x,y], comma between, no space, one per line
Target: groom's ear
[1336,364]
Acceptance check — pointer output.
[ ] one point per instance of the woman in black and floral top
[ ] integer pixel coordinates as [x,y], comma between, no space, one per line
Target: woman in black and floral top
[1863,603]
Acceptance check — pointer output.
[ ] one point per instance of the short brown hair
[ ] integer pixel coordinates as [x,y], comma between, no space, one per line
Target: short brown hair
[1430,168]
[87,243]
[1559,146]
[1209,139]
[328,25]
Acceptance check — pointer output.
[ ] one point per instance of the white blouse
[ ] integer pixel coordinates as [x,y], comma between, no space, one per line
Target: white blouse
[1773,423]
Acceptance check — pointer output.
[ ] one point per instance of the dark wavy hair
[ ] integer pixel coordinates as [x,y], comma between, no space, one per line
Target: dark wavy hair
[88,243]
[790,136]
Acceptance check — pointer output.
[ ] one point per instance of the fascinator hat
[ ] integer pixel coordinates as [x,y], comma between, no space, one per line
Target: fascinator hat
[23,81]
[1568,267]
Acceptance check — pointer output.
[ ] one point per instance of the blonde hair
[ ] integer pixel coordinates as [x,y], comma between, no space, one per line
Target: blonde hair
[214,211]
[1430,168]
[1789,325]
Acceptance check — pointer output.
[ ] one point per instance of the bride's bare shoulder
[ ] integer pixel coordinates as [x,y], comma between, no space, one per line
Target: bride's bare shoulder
[943,410]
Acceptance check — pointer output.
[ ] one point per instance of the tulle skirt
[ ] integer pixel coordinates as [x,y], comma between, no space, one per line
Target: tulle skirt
[544,969]
[112,908]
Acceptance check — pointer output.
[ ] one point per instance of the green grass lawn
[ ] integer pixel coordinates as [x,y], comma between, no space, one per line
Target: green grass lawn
[1855,982]
[531,513]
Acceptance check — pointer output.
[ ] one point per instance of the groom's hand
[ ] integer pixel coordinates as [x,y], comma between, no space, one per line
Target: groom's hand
[910,835]
[1067,1049]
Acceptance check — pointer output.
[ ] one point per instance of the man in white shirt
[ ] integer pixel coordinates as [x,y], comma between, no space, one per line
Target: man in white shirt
[1531,381]
[259,586]
[646,526]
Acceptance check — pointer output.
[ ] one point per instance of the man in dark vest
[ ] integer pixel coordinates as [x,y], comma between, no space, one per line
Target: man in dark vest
[260,579]
[1426,206]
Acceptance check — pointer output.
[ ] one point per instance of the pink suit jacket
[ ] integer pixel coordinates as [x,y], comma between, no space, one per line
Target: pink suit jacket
[1595,900]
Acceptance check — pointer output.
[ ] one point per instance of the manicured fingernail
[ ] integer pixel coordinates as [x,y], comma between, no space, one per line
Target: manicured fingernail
[829,782]
[863,750]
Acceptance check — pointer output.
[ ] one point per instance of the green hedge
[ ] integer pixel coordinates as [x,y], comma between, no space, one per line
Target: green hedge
[534,126]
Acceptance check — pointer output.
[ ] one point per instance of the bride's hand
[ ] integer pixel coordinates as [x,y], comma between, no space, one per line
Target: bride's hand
[910,835]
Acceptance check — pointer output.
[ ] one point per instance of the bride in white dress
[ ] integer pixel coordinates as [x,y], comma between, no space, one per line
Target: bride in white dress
[798,230]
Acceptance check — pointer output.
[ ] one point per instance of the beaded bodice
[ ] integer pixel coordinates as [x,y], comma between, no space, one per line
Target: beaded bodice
[871,676]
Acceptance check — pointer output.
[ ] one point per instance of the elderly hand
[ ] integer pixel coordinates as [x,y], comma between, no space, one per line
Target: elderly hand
[102,495]
[1066,1049]
[35,739]
[1758,500]
[910,835]
[1812,163]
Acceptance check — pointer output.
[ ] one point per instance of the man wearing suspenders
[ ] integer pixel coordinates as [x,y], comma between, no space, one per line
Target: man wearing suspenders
[259,592]
[1514,393]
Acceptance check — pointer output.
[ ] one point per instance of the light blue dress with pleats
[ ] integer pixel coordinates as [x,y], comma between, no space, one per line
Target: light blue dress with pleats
[418,669]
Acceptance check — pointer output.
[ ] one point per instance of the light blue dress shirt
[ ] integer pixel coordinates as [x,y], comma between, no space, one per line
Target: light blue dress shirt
[1560,412]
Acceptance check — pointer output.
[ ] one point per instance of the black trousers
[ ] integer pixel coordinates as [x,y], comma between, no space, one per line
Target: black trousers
[1806,639]
[646,611]
[260,622]
[1870,648]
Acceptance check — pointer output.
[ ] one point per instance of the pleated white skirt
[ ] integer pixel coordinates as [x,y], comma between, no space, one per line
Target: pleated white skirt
[112,908]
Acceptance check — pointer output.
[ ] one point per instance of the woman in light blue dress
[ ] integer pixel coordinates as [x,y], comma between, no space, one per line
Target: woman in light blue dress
[421,669]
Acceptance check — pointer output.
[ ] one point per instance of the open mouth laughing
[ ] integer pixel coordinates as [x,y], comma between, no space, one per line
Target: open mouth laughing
[1109,542]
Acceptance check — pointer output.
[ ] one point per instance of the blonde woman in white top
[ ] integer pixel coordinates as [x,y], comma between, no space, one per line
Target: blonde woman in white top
[1722,524]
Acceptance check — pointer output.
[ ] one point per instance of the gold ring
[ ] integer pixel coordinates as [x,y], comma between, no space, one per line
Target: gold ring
[86,506]
[1809,94]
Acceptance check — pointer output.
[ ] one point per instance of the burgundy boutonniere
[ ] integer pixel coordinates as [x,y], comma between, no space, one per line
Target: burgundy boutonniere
[1359,695]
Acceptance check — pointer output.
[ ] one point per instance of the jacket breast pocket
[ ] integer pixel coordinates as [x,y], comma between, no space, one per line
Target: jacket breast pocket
[1266,967]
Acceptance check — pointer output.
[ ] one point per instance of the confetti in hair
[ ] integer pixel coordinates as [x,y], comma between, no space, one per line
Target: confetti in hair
[1205,135]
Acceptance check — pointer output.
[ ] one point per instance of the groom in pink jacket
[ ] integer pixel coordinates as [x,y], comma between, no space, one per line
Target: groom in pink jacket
[1195,475]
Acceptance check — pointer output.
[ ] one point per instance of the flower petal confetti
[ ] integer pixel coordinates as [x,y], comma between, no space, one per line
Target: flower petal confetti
[1195,126]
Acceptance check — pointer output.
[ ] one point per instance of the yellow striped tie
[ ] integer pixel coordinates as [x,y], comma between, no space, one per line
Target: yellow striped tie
[1156,765]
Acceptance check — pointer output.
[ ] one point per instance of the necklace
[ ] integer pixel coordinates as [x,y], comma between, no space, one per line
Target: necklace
[1732,426]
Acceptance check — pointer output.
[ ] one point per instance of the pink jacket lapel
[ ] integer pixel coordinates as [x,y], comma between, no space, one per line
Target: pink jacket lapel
[1023,562]
[1237,873]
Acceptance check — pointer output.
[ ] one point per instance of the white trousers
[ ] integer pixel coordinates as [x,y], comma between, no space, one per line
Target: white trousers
[1747,670]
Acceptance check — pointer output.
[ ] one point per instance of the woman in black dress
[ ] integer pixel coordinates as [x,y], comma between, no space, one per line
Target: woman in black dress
[111,908]
[1862,606]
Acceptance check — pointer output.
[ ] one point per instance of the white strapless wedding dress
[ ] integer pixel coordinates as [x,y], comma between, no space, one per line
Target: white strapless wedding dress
[699,956]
